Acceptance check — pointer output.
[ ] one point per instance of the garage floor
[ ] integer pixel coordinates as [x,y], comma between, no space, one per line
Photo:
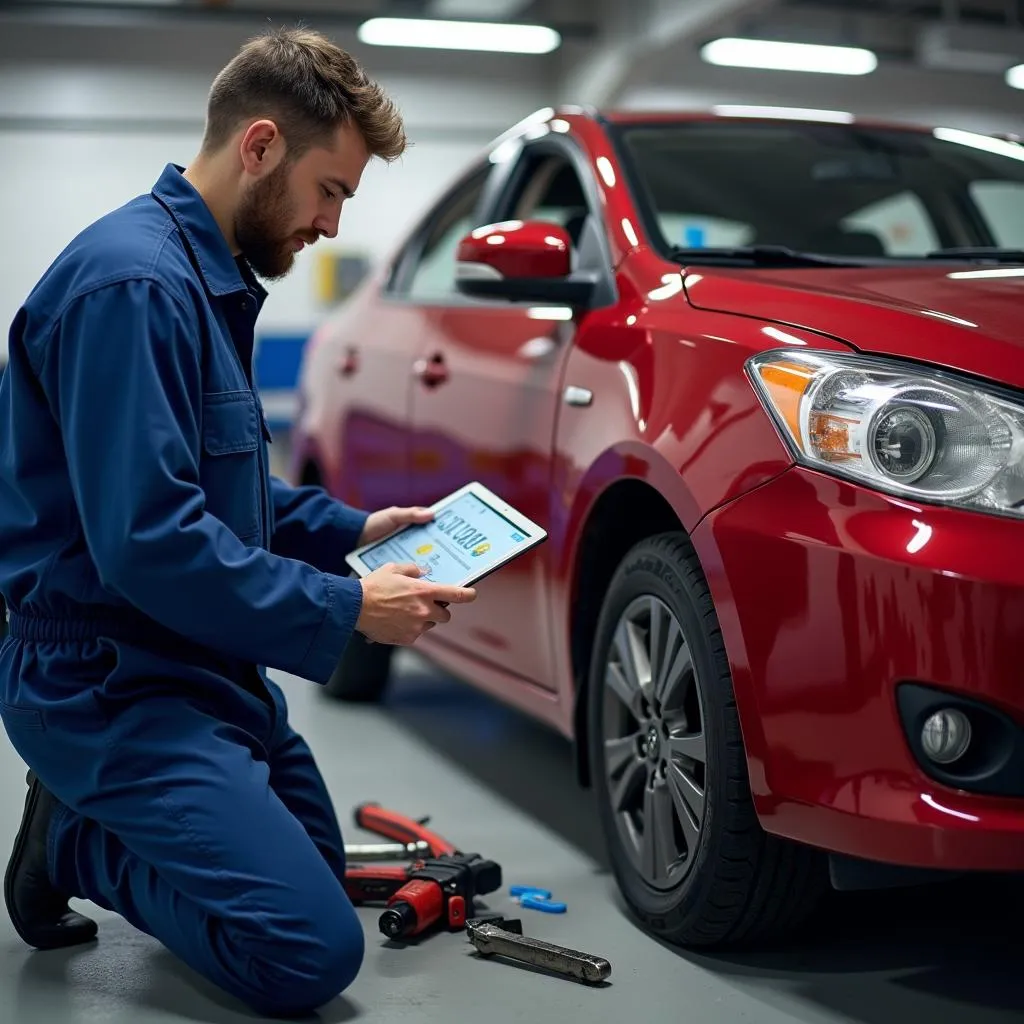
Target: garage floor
[503,786]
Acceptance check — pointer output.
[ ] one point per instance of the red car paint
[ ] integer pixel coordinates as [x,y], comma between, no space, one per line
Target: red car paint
[825,600]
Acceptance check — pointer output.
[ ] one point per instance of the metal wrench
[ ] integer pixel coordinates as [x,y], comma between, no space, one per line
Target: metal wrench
[503,937]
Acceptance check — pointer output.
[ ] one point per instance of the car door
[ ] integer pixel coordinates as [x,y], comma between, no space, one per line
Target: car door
[484,405]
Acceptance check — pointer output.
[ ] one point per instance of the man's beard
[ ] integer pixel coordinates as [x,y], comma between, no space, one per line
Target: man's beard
[261,225]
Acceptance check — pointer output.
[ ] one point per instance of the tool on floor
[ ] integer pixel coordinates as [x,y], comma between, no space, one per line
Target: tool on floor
[531,896]
[440,887]
[385,851]
[504,937]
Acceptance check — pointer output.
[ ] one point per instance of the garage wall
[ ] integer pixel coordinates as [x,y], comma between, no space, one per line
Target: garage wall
[89,119]
[91,111]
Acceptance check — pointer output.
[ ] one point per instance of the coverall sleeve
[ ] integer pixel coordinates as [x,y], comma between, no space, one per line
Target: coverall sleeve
[123,372]
[312,526]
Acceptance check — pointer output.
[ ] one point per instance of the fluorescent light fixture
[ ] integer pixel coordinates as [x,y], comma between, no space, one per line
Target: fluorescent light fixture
[1015,77]
[434,34]
[770,55]
[984,142]
[785,113]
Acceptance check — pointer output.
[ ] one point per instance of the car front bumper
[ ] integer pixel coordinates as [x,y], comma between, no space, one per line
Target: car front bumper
[839,607]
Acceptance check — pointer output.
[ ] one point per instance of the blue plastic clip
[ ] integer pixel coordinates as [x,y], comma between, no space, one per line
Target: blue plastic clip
[529,890]
[537,902]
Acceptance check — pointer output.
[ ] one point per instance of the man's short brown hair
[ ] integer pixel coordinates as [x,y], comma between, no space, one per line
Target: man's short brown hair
[310,87]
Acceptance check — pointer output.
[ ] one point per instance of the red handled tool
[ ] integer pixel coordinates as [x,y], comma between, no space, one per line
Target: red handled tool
[439,887]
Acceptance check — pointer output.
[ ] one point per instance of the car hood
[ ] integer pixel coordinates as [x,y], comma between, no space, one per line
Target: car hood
[963,317]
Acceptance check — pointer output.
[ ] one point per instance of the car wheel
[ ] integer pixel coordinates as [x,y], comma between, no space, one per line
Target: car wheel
[669,768]
[362,673]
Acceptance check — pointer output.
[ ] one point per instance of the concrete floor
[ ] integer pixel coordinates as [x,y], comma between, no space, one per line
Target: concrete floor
[500,785]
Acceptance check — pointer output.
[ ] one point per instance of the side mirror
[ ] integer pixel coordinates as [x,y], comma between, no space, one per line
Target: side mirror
[524,261]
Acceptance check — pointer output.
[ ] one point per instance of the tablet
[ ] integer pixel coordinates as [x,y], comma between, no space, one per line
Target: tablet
[473,533]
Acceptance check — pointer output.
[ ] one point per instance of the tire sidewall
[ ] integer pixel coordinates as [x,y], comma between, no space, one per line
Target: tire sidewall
[648,571]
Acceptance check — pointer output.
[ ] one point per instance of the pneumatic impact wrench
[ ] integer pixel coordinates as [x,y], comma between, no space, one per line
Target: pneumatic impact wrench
[435,890]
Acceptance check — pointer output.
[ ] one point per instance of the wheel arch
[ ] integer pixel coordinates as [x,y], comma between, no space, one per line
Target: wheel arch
[621,515]
[612,513]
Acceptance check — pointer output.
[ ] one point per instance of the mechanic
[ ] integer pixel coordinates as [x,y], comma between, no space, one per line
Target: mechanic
[153,570]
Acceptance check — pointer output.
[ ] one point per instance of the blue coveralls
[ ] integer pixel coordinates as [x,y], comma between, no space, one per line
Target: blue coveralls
[153,568]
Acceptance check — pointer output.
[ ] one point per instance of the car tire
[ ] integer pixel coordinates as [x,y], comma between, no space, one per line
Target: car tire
[362,673]
[715,879]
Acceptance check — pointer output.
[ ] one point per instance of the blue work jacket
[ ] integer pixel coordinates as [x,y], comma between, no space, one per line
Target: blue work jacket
[135,487]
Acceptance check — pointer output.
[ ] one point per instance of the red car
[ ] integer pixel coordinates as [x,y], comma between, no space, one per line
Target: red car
[761,380]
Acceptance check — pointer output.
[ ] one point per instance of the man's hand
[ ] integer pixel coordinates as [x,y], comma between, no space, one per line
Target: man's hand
[399,607]
[380,524]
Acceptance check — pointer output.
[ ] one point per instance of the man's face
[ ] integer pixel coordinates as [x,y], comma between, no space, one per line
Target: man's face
[296,202]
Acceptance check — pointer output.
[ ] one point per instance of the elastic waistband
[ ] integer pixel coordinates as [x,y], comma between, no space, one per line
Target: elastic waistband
[111,624]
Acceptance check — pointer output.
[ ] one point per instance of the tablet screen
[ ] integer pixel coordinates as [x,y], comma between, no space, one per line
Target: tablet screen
[465,537]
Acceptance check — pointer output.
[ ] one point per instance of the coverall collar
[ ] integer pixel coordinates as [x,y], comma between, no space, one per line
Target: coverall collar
[222,273]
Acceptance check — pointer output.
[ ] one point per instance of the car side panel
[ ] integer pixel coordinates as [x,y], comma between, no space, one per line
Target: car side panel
[359,404]
[492,419]
[672,408]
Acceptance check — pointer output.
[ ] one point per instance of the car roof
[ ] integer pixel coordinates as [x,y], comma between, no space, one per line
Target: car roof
[748,112]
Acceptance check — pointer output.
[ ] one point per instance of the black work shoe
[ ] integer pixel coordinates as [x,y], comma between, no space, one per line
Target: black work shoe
[39,913]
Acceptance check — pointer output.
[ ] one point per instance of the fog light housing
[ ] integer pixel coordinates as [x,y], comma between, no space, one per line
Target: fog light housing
[962,742]
[946,735]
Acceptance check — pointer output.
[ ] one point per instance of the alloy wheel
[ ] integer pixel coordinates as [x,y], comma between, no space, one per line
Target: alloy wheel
[654,748]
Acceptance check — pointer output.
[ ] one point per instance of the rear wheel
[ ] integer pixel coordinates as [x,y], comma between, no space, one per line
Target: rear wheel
[362,673]
[363,670]
[669,767]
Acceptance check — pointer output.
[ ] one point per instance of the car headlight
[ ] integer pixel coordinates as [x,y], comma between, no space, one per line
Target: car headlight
[904,429]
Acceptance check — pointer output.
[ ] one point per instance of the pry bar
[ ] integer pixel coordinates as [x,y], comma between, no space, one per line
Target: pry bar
[505,937]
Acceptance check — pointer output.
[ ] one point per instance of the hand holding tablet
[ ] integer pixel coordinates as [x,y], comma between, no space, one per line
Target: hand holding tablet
[411,576]
[399,606]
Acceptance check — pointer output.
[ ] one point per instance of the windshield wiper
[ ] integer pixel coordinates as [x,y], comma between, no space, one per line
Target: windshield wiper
[992,253]
[761,256]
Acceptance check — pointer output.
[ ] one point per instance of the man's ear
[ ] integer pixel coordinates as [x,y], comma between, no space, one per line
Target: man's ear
[261,147]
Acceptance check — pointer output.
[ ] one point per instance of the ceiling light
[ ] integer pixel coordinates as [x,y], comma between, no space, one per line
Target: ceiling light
[459,35]
[1015,77]
[786,113]
[767,54]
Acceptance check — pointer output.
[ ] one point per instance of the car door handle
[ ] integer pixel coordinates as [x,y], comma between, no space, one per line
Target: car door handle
[432,371]
[348,364]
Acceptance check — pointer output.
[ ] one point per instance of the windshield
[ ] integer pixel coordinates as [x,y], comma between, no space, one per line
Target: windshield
[841,190]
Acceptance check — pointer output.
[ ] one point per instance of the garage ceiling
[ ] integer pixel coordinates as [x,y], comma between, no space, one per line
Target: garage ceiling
[573,12]
[575,16]
[608,43]
[983,11]
[891,27]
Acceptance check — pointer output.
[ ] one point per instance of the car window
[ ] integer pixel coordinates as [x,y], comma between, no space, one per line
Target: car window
[899,224]
[837,189]
[434,274]
[551,190]
[695,229]
[1002,203]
